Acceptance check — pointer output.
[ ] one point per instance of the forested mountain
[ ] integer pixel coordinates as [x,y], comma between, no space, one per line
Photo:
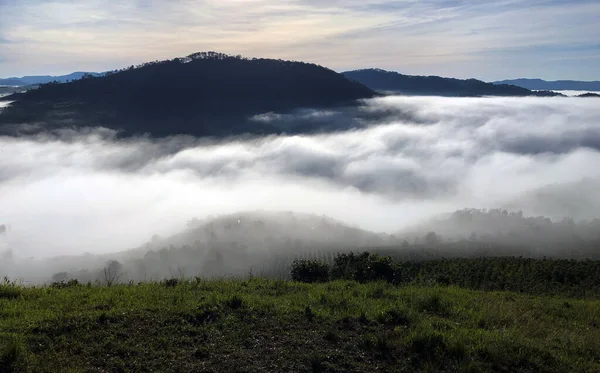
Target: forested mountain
[382,80]
[558,85]
[204,94]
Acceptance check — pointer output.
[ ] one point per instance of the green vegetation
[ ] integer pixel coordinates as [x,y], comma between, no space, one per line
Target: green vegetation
[570,278]
[259,325]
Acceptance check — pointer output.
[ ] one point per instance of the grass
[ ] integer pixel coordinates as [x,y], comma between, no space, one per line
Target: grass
[262,325]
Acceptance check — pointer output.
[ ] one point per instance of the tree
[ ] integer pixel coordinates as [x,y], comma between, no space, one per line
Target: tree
[113,272]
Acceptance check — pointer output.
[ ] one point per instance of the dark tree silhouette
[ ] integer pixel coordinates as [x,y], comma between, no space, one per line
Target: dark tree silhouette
[382,80]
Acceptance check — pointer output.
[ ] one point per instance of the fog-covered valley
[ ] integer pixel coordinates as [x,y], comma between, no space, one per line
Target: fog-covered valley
[394,171]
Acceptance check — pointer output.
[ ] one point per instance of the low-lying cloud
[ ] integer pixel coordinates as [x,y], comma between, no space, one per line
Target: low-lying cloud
[407,159]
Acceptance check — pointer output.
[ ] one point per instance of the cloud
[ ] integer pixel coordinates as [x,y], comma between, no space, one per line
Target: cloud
[407,159]
[491,40]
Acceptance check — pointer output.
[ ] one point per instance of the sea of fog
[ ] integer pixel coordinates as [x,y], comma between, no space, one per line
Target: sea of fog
[571,93]
[407,159]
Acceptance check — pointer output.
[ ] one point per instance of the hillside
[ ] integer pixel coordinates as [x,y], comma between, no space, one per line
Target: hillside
[205,94]
[381,80]
[259,325]
[557,85]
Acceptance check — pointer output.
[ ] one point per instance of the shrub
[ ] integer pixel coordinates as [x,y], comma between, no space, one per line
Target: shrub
[9,290]
[171,282]
[308,312]
[395,317]
[427,344]
[235,302]
[364,267]
[13,353]
[65,284]
[310,271]
[435,305]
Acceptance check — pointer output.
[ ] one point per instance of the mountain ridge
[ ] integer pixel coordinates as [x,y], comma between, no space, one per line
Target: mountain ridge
[44,79]
[558,85]
[383,80]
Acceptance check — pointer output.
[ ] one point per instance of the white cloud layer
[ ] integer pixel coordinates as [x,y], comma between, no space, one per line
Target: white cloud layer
[416,157]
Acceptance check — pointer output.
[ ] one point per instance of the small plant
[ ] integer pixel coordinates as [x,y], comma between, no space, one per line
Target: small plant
[394,317]
[383,344]
[9,292]
[427,343]
[332,336]
[316,363]
[201,353]
[310,271]
[13,353]
[205,315]
[171,282]
[363,319]
[65,284]
[435,305]
[308,312]
[235,303]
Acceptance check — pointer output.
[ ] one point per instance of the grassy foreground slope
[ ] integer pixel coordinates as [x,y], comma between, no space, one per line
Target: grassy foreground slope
[259,325]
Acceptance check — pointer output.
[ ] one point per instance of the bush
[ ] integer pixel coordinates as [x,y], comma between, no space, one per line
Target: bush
[65,284]
[9,290]
[235,302]
[310,271]
[13,353]
[364,267]
[171,282]
[426,344]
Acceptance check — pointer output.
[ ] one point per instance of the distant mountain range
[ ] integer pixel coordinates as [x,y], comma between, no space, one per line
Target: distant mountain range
[212,94]
[43,79]
[558,85]
[382,80]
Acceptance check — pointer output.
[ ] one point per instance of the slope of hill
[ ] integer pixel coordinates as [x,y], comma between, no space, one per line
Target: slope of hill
[43,79]
[280,326]
[558,85]
[382,80]
[205,94]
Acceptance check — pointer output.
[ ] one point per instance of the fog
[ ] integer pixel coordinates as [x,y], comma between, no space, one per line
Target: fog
[398,162]
[571,93]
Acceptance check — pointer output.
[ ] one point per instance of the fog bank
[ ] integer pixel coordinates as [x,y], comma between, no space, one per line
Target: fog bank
[408,159]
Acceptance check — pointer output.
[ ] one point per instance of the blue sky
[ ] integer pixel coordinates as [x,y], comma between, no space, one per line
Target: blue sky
[490,40]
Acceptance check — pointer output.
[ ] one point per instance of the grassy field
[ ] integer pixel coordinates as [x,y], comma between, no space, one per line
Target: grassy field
[262,325]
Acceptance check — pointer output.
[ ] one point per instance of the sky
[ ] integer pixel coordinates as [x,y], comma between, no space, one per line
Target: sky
[489,40]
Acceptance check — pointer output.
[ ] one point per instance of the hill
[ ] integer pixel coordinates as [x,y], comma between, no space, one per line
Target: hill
[266,243]
[589,95]
[381,80]
[204,94]
[43,79]
[557,85]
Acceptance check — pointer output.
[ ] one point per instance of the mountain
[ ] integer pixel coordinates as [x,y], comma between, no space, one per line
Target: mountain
[204,94]
[12,82]
[43,79]
[382,80]
[558,85]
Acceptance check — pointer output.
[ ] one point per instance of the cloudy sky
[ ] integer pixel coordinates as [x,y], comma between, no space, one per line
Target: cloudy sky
[551,39]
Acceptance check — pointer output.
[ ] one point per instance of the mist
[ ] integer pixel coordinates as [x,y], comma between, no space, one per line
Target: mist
[392,164]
